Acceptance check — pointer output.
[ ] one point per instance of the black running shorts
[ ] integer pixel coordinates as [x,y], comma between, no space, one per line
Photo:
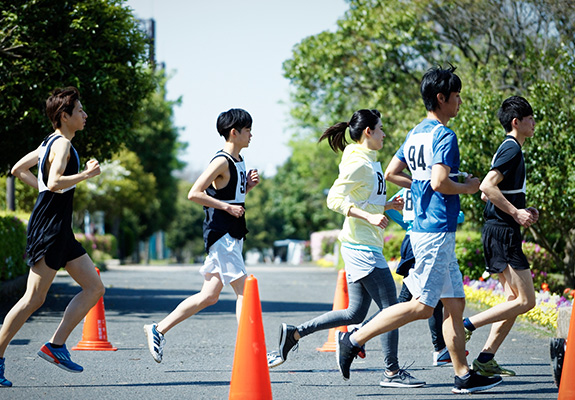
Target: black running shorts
[502,247]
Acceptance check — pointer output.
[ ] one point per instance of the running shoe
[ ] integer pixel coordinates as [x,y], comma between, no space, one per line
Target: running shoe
[468,334]
[287,340]
[442,357]
[345,352]
[362,353]
[475,383]
[156,342]
[401,379]
[3,381]
[59,357]
[274,359]
[491,368]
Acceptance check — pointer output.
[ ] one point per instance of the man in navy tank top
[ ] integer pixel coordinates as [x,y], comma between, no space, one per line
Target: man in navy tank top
[50,243]
[222,190]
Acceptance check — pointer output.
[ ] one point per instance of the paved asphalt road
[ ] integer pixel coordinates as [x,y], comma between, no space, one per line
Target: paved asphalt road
[199,353]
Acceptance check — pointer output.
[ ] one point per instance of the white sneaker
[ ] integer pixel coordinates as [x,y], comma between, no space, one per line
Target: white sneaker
[274,359]
[156,342]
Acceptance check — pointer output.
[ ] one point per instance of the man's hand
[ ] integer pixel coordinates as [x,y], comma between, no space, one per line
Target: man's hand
[93,168]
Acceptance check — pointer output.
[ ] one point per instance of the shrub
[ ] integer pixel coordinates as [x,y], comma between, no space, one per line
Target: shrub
[12,248]
[469,253]
[392,245]
[98,247]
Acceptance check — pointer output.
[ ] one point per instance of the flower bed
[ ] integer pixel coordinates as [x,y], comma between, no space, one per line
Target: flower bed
[490,292]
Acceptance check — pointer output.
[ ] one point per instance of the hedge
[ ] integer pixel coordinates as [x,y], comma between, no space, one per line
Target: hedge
[12,248]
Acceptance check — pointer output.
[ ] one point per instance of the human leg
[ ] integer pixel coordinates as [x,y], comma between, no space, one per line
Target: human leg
[39,281]
[454,334]
[380,286]
[355,313]
[522,299]
[238,286]
[435,327]
[208,295]
[83,271]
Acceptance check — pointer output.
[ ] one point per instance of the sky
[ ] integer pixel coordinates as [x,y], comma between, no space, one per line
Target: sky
[223,54]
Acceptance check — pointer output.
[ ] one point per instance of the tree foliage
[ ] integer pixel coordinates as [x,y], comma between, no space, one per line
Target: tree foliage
[155,141]
[95,45]
[376,57]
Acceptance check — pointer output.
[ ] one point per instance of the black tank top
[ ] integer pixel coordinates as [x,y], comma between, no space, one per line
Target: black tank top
[218,222]
[52,214]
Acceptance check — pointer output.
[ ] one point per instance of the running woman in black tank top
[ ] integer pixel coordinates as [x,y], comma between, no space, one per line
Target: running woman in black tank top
[51,244]
[221,189]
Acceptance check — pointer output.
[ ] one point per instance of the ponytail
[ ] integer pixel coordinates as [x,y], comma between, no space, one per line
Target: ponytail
[360,120]
[335,136]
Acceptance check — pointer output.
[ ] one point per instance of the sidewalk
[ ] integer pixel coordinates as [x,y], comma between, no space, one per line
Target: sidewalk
[198,356]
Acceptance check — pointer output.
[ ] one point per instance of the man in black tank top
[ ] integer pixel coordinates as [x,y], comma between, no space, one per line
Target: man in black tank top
[505,213]
[221,189]
[51,244]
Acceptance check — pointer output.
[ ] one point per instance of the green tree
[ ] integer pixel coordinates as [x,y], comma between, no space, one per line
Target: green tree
[95,45]
[155,141]
[185,234]
[126,193]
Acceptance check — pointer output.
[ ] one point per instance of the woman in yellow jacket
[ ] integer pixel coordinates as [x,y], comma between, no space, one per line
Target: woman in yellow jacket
[359,193]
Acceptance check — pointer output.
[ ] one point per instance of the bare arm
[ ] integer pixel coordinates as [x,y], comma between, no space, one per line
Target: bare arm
[58,158]
[524,217]
[21,169]
[394,173]
[442,183]
[217,168]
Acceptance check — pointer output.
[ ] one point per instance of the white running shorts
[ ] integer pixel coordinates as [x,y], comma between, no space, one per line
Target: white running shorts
[436,272]
[225,258]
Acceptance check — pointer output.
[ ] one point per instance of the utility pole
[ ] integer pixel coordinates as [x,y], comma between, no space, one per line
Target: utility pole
[10,193]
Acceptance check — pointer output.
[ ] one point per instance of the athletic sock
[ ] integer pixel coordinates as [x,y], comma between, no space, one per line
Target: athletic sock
[353,342]
[485,357]
[467,324]
[467,375]
[56,346]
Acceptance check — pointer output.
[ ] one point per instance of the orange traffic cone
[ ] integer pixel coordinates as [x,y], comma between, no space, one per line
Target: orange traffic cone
[567,385]
[94,335]
[250,373]
[340,302]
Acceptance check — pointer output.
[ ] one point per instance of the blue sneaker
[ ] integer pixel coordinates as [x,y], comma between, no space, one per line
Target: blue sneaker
[3,381]
[59,357]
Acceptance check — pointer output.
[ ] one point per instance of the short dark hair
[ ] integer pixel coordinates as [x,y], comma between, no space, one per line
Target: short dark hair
[233,118]
[513,107]
[438,80]
[62,100]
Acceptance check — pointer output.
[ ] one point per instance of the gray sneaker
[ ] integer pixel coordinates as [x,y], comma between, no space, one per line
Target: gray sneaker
[401,379]
[156,342]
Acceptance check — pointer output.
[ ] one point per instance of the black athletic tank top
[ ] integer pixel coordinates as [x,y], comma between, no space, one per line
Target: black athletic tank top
[218,222]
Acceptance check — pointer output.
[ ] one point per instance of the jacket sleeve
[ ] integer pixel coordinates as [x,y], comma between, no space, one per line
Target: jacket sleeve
[351,177]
